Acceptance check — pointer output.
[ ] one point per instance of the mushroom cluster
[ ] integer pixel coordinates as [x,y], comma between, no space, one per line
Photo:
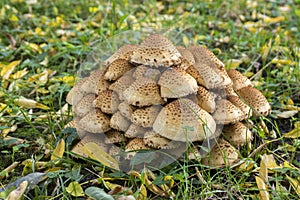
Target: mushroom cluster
[156,95]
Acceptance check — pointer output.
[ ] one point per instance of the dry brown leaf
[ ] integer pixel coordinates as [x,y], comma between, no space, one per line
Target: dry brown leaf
[263,192]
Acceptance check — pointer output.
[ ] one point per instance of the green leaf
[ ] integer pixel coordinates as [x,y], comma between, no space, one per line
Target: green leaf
[98,194]
[75,189]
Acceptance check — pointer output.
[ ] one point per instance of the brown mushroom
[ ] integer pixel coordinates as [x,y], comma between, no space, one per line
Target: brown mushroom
[95,122]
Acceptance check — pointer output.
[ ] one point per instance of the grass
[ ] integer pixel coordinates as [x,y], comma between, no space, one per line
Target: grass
[52,39]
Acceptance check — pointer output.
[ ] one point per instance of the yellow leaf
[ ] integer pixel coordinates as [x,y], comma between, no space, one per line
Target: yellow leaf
[14,18]
[185,40]
[269,161]
[274,19]
[266,49]
[142,193]
[263,171]
[18,192]
[295,184]
[233,63]
[96,153]
[29,103]
[69,80]
[19,74]
[34,47]
[59,150]
[282,62]
[75,189]
[263,192]
[6,70]
[295,133]
[93,9]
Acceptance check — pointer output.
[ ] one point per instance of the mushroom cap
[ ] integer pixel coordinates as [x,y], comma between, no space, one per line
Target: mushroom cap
[114,136]
[107,101]
[222,154]
[187,58]
[238,79]
[121,84]
[95,122]
[183,120]
[116,69]
[143,92]
[145,116]
[237,134]
[175,83]
[74,123]
[134,145]
[85,105]
[205,75]
[119,122]
[156,141]
[205,56]
[206,99]
[124,52]
[143,71]
[95,82]
[134,131]
[238,102]
[158,51]
[126,109]
[226,112]
[256,100]
[76,94]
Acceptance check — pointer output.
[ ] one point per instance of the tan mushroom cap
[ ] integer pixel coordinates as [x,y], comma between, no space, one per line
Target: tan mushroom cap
[76,94]
[226,112]
[126,109]
[222,154]
[154,140]
[158,51]
[121,84]
[124,52]
[114,136]
[75,124]
[205,75]
[206,99]
[135,131]
[256,100]
[116,69]
[119,122]
[116,152]
[145,116]
[238,102]
[188,58]
[237,134]
[143,92]
[175,83]
[238,79]
[134,145]
[107,101]
[85,105]
[205,56]
[143,71]
[95,122]
[183,120]
[95,82]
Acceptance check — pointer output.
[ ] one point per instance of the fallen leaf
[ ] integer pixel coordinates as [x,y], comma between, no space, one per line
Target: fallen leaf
[274,19]
[59,150]
[142,193]
[265,50]
[295,184]
[75,189]
[263,192]
[295,133]
[283,62]
[29,103]
[96,153]
[18,193]
[98,194]
[6,70]
[286,114]
[19,74]
[233,63]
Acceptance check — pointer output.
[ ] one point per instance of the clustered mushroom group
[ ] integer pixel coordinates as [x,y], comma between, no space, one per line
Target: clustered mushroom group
[156,95]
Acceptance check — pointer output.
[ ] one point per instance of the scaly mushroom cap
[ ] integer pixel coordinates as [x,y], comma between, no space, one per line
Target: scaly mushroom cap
[158,51]
[188,58]
[135,131]
[121,84]
[238,79]
[126,109]
[221,154]
[116,69]
[95,82]
[75,124]
[114,136]
[238,102]
[85,105]
[143,71]
[124,52]
[183,120]
[175,83]
[107,101]
[143,92]
[156,141]
[119,122]
[256,100]
[205,56]
[95,122]
[134,145]
[226,112]
[205,75]
[206,99]
[76,94]
[145,116]
[237,134]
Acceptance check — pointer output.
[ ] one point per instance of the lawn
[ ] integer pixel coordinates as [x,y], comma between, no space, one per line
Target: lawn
[44,46]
